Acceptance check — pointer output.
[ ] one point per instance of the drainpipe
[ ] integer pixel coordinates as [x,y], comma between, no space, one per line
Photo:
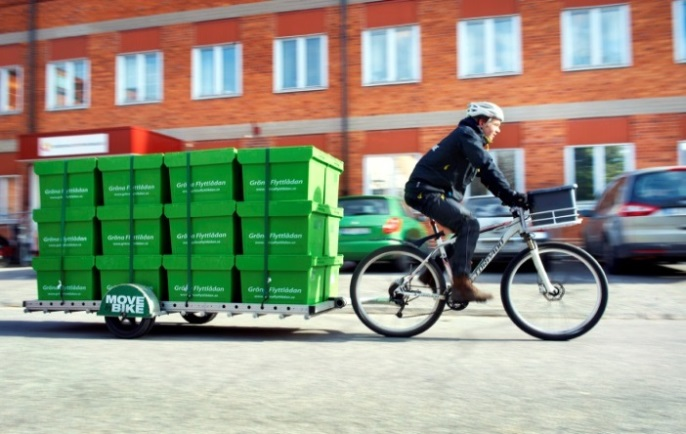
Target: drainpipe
[31,99]
[343,6]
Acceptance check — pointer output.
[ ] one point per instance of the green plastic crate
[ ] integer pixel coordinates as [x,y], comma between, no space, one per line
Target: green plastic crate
[295,227]
[150,179]
[294,279]
[147,271]
[150,230]
[213,228]
[214,278]
[295,173]
[77,273]
[83,183]
[78,226]
[332,267]
[214,174]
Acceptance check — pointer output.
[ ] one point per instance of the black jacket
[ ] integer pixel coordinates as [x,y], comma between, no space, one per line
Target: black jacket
[453,163]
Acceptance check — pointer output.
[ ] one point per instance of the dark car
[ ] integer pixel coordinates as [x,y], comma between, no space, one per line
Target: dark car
[641,216]
[373,221]
[489,210]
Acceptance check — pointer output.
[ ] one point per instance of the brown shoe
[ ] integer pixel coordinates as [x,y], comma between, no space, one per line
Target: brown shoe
[464,290]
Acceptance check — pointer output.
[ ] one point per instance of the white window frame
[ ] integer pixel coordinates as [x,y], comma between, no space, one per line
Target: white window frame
[681,153]
[301,62]
[391,56]
[599,181]
[218,73]
[120,98]
[595,36]
[51,85]
[679,28]
[488,45]
[519,166]
[374,172]
[5,89]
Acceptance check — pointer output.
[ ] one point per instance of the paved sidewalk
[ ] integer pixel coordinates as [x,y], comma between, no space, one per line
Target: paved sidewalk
[639,296]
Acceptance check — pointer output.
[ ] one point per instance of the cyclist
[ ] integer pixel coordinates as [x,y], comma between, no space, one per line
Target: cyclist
[438,182]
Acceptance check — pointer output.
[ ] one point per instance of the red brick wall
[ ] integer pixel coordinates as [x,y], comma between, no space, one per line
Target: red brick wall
[652,74]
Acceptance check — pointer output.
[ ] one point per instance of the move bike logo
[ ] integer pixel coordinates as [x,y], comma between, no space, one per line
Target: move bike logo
[126,304]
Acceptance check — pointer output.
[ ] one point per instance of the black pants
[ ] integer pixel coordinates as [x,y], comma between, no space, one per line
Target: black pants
[452,214]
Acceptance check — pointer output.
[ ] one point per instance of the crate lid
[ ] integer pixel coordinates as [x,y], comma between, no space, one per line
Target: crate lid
[123,162]
[200,158]
[122,262]
[48,215]
[284,262]
[288,154]
[200,209]
[123,212]
[198,262]
[56,167]
[55,263]
[286,208]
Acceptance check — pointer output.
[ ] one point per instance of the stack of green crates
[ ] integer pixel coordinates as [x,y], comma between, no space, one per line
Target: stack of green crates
[289,225]
[135,233]
[203,226]
[68,230]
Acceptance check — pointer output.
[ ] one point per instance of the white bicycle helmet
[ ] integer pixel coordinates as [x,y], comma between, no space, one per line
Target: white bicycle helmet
[485,108]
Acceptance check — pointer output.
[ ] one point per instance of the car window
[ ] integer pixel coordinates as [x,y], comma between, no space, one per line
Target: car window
[487,208]
[660,188]
[366,206]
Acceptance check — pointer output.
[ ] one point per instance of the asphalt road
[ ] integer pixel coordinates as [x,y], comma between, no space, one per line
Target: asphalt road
[474,372]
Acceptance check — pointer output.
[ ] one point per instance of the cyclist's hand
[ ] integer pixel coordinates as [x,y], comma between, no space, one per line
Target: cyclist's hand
[512,198]
[520,200]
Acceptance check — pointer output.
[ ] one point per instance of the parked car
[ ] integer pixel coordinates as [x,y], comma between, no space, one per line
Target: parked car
[489,210]
[641,216]
[373,221]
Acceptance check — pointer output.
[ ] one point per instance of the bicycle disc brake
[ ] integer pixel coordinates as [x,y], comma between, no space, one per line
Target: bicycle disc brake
[557,293]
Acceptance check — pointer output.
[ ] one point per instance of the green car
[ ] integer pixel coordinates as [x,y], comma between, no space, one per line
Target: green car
[372,221]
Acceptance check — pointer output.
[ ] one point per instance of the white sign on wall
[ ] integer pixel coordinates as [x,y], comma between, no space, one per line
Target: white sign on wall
[73,145]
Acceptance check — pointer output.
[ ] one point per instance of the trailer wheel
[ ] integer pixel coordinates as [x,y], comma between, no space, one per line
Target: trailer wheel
[129,328]
[198,317]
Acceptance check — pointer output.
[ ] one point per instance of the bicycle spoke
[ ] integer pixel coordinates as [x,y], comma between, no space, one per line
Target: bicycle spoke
[387,301]
[575,302]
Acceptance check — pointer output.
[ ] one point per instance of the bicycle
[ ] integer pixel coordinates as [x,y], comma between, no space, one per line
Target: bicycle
[552,291]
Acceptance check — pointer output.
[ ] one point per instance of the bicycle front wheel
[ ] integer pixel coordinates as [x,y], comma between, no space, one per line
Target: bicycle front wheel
[577,299]
[390,303]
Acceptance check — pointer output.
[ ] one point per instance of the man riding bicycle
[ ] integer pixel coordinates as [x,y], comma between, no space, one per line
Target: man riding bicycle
[438,182]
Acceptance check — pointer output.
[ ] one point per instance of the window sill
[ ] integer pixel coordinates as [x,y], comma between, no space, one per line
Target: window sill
[206,97]
[62,109]
[391,83]
[301,89]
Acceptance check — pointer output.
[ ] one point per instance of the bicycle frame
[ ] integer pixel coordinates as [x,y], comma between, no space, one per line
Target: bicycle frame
[514,227]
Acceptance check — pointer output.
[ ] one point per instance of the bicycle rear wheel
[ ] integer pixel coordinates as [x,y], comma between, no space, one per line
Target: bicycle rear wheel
[390,303]
[575,305]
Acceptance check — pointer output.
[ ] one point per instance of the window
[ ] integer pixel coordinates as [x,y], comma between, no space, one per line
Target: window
[511,163]
[300,63]
[67,84]
[9,197]
[596,37]
[217,71]
[391,55]
[592,168]
[387,174]
[679,19]
[489,47]
[10,89]
[139,78]
[681,153]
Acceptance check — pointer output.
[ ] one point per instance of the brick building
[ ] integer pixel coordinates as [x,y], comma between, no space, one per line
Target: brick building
[590,88]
